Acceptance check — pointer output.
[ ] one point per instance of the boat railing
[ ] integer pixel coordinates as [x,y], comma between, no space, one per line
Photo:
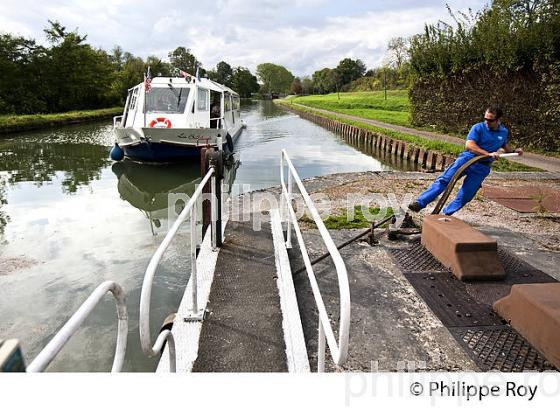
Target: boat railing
[49,352]
[195,313]
[338,351]
[117,121]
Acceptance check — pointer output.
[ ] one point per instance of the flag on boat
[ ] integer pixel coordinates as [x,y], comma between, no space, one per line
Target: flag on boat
[184,74]
[148,81]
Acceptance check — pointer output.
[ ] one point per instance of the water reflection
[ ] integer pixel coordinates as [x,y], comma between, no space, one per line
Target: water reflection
[40,162]
[147,186]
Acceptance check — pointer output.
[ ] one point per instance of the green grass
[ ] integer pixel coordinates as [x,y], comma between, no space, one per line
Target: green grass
[22,122]
[356,221]
[369,105]
[443,147]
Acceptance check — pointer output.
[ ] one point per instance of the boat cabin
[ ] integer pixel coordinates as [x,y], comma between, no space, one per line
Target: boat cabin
[176,102]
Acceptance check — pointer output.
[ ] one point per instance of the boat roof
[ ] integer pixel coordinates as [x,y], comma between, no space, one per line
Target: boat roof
[202,82]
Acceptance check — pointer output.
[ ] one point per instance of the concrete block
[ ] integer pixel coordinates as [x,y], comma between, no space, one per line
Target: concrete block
[448,160]
[469,254]
[399,149]
[407,150]
[534,311]
[421,156]
[430,159]
[414,155]
[394,147]
[439,163]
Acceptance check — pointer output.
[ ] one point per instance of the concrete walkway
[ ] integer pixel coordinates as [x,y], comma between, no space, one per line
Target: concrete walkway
[530,159]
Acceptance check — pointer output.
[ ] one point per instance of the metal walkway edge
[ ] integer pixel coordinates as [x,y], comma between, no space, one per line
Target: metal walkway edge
[243,329]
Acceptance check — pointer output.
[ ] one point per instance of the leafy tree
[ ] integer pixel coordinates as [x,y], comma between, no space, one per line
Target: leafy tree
[224,73]
[274,78]
[21,61]
[307,86]
[244,82]
[76,74]
[182,59]
[296,87]
[158,68]
[323,81]
[349,70]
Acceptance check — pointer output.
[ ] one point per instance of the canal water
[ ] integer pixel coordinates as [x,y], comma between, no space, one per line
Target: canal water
[71,219]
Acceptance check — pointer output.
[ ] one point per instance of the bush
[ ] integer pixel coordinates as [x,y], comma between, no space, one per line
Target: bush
[509,54]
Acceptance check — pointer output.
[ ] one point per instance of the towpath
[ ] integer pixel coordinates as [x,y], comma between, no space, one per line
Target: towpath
[530,159]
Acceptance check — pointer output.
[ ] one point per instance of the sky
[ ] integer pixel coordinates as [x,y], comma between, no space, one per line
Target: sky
[302,35]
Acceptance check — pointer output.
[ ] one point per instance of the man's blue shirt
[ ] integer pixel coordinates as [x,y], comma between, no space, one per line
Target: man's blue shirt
[486,138]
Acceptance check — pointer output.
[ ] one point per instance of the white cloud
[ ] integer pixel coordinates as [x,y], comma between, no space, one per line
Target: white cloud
[303,35]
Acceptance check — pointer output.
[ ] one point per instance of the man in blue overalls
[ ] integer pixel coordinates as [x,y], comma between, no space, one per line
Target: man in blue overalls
[485,138]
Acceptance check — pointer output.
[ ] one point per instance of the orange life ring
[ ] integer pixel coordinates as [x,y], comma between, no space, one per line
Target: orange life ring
[160,122]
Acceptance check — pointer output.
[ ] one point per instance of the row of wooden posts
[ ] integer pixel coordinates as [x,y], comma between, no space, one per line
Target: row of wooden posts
[428,159]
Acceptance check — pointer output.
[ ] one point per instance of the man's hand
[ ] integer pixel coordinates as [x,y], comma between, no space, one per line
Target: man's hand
[519,151]
[495,155]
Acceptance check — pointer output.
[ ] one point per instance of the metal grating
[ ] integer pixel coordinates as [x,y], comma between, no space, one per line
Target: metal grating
[511,263]
[500,348]
[465,308]
[416,258]
[448,299]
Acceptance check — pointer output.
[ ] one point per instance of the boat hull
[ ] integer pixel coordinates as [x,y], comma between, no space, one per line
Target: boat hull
[169,145]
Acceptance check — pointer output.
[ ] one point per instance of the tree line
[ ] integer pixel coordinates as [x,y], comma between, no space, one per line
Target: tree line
[69,74]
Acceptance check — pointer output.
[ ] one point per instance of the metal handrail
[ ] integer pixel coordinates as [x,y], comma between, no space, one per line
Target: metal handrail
[144,319]
[56,344]
[339,352]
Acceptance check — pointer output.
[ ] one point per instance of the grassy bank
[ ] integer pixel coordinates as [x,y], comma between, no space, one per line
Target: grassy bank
[369,105]
[443,147]
[16,123]
[352,219]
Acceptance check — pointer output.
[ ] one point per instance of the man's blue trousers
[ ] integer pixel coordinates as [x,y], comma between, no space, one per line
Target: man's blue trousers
[475,174]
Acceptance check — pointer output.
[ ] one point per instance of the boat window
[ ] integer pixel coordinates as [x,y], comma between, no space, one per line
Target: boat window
[202,103]
[227,102]
[133,99]
[167,100]
[236,104]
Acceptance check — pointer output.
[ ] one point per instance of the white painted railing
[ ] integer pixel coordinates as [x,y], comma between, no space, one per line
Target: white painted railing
[196,314]
[338,351]
[56,344]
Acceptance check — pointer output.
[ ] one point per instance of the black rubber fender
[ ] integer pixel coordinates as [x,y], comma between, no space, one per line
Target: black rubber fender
[229,142]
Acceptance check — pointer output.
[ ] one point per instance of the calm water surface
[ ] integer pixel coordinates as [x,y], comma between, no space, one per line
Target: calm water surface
[71,219]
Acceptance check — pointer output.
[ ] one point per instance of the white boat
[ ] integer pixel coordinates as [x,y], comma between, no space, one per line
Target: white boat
[172,118]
